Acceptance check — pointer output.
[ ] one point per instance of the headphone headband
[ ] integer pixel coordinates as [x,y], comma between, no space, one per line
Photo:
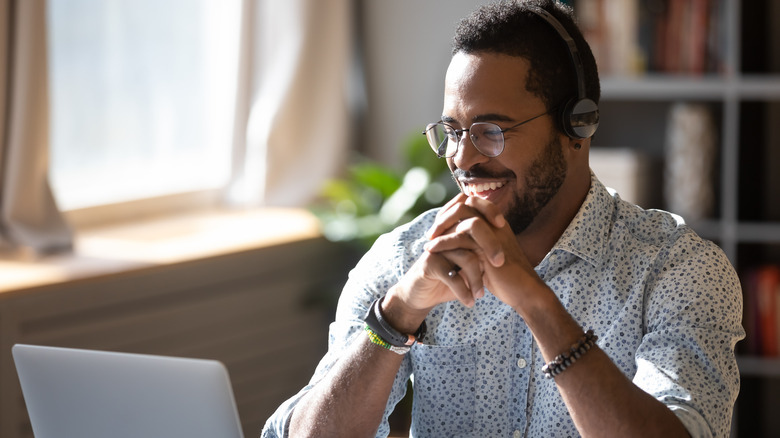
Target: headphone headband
[575,54]
[580,116]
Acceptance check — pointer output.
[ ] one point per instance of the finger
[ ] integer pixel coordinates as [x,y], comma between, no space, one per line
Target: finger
[462,207]
[487,240]
[449,218]
[471,234]
[464,276]
[488,210]
[444,218]
[460,197]
[462,282]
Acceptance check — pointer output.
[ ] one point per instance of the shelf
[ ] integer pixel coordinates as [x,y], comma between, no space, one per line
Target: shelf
[663,87]
[756,232]
[759,87]
[708,229]
[678,87]
[756,366]
[744,232]
[743,98]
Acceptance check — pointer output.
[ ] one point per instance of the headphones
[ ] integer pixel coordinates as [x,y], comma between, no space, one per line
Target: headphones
[579,116]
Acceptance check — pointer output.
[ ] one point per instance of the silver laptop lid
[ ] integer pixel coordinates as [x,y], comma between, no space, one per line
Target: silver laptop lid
[72,393]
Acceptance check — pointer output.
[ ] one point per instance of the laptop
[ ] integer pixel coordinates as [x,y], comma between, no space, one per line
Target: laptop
[73,393]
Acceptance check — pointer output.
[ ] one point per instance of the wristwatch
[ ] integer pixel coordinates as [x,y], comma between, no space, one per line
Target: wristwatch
[376,321]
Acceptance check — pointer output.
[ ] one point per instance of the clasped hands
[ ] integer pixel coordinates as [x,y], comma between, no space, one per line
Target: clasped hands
[472,239]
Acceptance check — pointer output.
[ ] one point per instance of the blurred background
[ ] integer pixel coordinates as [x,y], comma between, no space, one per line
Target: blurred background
[196,177]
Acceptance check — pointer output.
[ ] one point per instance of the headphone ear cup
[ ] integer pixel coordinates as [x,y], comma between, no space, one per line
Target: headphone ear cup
[580,118]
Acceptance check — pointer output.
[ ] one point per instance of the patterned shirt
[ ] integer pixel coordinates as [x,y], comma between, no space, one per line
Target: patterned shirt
[666,305]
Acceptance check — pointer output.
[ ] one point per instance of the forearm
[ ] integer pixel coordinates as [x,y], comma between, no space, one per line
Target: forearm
[350,401]
[602,401]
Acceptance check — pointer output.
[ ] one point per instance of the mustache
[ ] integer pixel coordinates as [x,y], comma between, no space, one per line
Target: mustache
[479,172]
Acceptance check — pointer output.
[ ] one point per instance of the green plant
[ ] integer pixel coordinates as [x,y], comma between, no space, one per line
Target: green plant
[373,199]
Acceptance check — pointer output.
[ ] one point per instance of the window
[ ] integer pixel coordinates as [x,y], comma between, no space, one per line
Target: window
[142,97]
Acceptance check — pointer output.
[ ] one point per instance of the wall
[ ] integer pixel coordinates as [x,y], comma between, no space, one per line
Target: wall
[407,47]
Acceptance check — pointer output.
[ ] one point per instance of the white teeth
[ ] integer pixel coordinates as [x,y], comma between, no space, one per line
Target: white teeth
[484,187]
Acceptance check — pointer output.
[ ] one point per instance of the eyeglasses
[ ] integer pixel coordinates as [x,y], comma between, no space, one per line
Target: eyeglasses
[487,137]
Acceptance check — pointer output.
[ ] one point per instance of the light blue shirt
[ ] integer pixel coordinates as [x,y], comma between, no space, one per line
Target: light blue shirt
[665,304]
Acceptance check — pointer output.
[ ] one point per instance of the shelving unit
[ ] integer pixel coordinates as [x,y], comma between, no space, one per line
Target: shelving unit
[759,366]
[634,114]
[713,88]
[728,92]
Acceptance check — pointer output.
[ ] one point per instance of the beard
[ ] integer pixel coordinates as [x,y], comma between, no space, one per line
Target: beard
[543,180]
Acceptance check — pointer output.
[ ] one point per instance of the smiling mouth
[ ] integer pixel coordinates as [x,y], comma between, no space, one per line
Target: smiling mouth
[481,189]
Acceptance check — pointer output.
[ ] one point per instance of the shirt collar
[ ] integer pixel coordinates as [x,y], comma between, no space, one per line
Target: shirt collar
[587,234]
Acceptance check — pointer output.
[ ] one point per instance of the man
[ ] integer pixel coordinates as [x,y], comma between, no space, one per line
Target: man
[509,275]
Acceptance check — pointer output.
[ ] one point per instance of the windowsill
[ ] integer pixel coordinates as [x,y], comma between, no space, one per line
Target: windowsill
[117,249]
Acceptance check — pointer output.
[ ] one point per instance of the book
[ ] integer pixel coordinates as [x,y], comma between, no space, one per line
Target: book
[752,343]
[669,36]
[611,28]
[767,291]
[762,311]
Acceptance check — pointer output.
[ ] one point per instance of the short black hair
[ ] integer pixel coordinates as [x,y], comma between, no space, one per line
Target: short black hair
[510,28]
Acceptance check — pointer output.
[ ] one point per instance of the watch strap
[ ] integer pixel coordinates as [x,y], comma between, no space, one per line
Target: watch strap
[377,322]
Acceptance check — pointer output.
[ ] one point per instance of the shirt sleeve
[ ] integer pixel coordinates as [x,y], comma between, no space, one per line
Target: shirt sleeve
[693,316]
[379,269]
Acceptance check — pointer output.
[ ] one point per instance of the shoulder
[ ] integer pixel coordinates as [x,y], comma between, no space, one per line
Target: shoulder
[656,227]
[406,241]
[675,248]
[416,228]
[666,233]
[392,254]
[686,273]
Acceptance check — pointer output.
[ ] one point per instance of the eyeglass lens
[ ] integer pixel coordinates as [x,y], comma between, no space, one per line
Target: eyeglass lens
[486,137]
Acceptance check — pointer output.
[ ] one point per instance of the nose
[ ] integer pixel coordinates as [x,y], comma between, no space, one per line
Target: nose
[467,154]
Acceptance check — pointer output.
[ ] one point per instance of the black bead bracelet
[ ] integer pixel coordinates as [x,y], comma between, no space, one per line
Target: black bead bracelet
[563,361]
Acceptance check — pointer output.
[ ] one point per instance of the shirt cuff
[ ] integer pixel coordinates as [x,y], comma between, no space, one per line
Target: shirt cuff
[278,425]
[693,421]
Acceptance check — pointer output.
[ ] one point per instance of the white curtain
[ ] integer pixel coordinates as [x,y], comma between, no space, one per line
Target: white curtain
[293,118]
[29,217]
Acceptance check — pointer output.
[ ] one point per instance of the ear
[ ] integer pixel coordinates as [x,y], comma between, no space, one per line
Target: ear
[575,144]
[576,150]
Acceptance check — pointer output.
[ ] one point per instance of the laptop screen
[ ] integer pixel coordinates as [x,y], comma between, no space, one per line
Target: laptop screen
[73,393]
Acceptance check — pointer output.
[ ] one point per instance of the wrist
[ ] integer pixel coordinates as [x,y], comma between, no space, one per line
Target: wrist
[537,300]
[382,333]
[399,315]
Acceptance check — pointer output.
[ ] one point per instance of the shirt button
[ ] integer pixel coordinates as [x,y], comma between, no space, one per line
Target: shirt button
[517,433]
[521,363]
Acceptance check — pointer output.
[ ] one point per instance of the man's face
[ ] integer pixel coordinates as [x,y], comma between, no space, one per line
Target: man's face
[528,174]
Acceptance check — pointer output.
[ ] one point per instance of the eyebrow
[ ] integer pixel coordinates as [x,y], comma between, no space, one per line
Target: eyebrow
[491,117]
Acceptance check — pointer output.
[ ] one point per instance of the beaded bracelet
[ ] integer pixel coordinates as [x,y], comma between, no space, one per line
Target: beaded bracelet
[563,361]
[377,340]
